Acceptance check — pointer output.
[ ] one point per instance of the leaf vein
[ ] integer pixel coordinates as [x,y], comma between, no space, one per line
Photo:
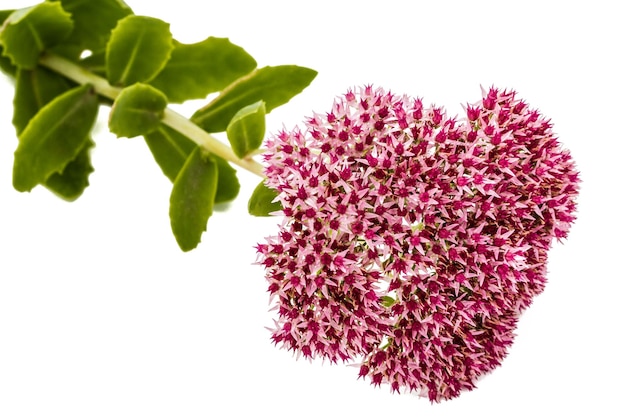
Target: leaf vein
[132,58]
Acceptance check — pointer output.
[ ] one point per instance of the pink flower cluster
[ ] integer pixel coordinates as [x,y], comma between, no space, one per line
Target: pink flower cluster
[412,241]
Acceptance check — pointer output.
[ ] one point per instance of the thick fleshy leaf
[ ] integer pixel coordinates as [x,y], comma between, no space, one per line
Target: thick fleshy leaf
[262,202]
[274,85]
[138,110]
[28,32]
[6,66]
[195,70]
[34,89]
[5,63]
[170,149]
[54,137]
[247,128]
[70,183]
[192,199]
[138,50]
[94,20]
[67,50]
[227,182]
[4,14]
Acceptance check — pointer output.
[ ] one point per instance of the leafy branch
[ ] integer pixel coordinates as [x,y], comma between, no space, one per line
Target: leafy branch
[65,66]
[167,116]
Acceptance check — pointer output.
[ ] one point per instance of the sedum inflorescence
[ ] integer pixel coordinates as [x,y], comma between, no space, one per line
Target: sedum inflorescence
[412,241]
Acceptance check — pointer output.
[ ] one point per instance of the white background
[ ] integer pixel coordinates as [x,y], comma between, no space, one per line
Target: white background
[102,315]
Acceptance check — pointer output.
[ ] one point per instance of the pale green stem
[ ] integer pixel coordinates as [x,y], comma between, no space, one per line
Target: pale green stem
[172,119]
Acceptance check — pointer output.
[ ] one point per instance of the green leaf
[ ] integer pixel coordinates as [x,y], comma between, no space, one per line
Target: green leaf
[138,50]
[33,90]
[5,63]
[54,137]
[274,85]
[138,110]
[192,199]
[246,129]
[28,32]
[94,20]
[170,149]
[4,14]
[6,66]
[70,183]
[227,182]
[262,202]
[67,50]
[201,68]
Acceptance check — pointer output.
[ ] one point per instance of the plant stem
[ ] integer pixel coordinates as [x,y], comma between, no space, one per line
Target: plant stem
[208,142]
[172,119]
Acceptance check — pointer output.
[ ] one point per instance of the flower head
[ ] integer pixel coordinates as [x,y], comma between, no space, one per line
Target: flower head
[411,240]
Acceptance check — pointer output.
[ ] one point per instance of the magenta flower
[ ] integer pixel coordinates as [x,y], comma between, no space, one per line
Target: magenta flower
[412,241]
